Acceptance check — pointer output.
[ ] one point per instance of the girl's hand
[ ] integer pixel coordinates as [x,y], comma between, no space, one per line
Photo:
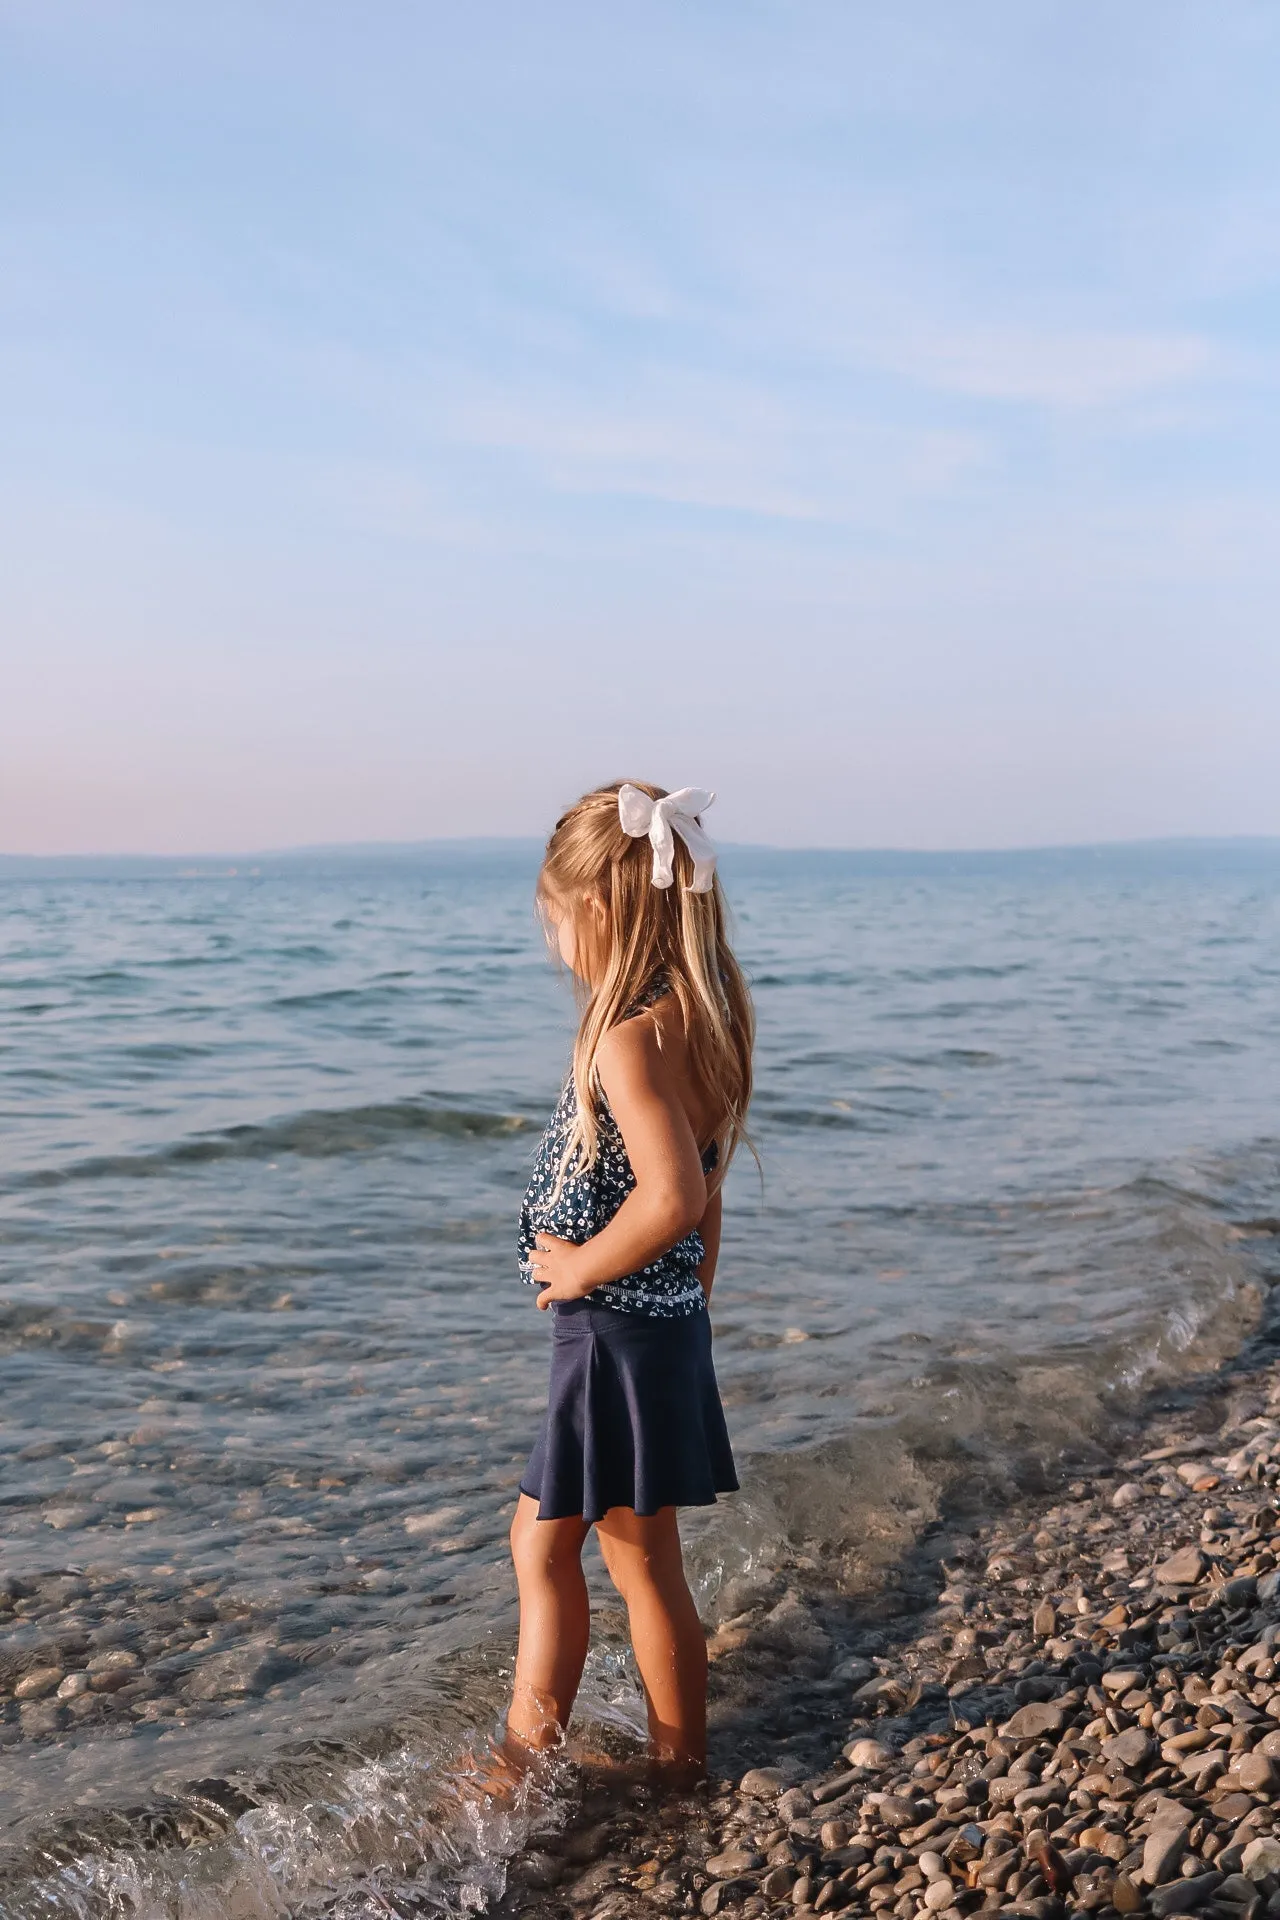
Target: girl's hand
[557,1265]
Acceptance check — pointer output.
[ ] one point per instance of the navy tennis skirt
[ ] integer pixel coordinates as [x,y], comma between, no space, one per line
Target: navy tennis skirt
[633,1416]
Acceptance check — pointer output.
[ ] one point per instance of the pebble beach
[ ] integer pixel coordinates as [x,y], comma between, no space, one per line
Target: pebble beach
[1077,1710]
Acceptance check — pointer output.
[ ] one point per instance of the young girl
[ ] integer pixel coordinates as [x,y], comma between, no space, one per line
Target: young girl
[620,1230]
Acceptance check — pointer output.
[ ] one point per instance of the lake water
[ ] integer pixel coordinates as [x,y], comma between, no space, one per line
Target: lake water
[268,1377]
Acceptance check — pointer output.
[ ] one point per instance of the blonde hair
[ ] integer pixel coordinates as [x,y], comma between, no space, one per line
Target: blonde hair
[644,932]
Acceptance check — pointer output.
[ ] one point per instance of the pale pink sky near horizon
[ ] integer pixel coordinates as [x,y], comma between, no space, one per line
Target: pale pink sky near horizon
[414,417]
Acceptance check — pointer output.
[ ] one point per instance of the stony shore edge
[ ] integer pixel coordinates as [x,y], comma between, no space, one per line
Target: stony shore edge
[1082,1717]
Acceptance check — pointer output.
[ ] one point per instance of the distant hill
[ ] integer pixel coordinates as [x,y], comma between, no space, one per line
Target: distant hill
[1139,858]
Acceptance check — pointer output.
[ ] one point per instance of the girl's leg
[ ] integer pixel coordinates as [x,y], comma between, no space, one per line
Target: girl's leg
[555,1621]
[643,1558]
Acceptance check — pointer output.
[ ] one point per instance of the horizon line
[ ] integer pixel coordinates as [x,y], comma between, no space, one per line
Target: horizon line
[351,849]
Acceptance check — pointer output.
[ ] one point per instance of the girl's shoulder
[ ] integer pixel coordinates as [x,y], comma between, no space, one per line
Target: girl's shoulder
[637,1041]
[646,1054]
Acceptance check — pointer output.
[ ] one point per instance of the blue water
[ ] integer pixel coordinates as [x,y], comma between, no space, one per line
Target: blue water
[264,1355]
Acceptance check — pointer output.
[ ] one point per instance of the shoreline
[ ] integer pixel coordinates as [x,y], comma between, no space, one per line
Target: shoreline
[862,1749]
[1073,1707]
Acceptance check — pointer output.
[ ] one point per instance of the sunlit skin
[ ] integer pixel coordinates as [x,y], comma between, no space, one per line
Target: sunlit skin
[644,1072]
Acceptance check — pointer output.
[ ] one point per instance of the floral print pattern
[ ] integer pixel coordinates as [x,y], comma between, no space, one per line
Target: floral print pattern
[668,1288]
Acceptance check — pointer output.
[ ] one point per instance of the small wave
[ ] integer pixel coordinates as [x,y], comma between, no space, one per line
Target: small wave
[339,996]
[349,1828]
[323,1133]
[413,1813]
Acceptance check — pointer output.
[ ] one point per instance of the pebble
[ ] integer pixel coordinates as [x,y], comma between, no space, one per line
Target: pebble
[855,1671]
[1260,1858]
[38,1682]
[728,1865]
[68,1519]
[763,1783]
[1256,1773]
[1121,1680]
[1184,1896]
[1182,1569]
[1035,1720]
[1130,1749]
[1162,1853]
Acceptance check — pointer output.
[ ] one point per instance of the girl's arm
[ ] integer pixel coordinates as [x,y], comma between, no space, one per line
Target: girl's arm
[670,1194]
[709,1228]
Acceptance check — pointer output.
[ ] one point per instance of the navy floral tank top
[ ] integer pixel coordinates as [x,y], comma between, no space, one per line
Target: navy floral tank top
[669,1287]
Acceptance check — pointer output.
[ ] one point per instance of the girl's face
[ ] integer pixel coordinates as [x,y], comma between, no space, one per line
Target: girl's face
[561,919]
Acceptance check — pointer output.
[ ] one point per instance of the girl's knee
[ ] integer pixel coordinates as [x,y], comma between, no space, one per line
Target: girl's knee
[544,1549]
[641,1555]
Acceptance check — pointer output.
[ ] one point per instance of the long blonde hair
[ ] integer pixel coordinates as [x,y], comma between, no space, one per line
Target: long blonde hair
[643,932]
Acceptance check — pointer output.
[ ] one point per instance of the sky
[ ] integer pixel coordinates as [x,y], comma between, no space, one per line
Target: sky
[414,414]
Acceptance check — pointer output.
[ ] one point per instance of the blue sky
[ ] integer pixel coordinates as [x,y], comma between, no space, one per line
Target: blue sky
[416,413]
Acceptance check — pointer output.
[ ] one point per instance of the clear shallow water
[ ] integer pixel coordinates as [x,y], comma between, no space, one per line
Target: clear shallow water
[264,1358]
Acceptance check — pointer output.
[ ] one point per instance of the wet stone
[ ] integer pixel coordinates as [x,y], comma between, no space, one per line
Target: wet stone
[1182,1569]
[1184,1896]
[1122,1680]
[242,1671]
[38,1682]
[735,1861]
[763,1783]
[1037,1718]
[1162,1853]
[1257,1773]
[1260,1858]
[40,1717]
[1125,1896]
[1131,1749]
[110,1680]
[854,1671]
[539,1870]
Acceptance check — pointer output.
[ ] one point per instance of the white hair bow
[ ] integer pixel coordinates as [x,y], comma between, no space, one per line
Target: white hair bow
[678,812]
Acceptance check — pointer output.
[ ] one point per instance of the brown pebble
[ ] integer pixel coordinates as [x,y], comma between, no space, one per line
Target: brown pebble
[1125,1896]
[1182,1569]
[110,1679]
[39,1682]
[1056,1872]
[1256,1772]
